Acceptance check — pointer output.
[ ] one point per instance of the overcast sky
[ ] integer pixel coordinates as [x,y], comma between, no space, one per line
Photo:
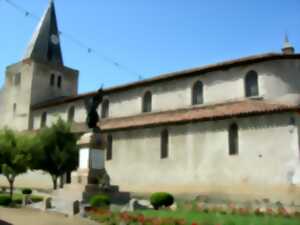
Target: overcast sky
[151,37]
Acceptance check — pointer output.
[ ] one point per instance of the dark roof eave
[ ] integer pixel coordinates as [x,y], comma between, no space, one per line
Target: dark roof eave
[81,127]
[219,117]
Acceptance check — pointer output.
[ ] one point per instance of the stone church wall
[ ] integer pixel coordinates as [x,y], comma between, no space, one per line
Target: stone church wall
[278,80]
[19,95]
[267,165]
[53,113]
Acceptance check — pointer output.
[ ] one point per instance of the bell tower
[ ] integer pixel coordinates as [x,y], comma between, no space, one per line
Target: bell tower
[40,76]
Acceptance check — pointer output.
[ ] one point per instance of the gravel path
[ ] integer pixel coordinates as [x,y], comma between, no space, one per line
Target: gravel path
[26,216]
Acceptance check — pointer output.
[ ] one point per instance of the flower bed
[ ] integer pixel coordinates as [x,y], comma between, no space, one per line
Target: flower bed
[240,216]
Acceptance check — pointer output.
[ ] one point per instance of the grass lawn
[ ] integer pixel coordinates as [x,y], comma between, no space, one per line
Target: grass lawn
[211,218]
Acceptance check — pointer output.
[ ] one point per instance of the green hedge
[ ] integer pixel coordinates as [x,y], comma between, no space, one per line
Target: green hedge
[160,199]
[26,191]
[99,200]
[5,200]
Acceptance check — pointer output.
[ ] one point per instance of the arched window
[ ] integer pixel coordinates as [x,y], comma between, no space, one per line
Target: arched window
[59,80]
[147,102]
[71,114]
[105,109]
[52,79]
[164,144]
[251,84]
[44,119]
[197,93]
[109,147]
[233,137]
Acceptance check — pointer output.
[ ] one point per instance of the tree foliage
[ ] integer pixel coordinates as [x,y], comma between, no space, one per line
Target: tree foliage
[57,153]
[16,154]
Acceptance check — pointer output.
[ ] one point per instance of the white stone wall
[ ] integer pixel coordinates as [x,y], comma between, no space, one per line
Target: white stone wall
[198,161]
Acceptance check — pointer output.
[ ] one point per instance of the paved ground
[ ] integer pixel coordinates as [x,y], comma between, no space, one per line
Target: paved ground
[36,217]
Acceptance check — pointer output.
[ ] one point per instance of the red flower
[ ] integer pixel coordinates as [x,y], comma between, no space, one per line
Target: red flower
[141,218]
[180,222]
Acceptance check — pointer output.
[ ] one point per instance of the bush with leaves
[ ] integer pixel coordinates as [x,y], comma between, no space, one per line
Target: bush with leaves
[5,200]
[26,191]
[100,200]
[160,199]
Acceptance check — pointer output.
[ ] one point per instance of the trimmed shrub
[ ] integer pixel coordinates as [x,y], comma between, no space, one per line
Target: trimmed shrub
[5,200]
[99,200]
[159,199]
[36,198]
[27,191]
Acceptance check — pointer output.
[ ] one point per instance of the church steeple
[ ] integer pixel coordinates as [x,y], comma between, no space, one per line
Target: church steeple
[45,44]
[287,48]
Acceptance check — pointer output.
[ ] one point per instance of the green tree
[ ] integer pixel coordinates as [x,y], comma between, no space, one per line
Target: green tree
[58,151]
[16,154]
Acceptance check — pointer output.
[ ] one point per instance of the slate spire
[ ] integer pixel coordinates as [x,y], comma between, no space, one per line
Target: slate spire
[45,43]
[287,48]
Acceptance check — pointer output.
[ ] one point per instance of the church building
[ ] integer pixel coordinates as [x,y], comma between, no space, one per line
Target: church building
[225,129]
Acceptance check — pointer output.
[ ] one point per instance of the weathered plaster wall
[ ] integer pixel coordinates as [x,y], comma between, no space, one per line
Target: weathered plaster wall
[281,81]
[199,162]
[277,80]
[19,94]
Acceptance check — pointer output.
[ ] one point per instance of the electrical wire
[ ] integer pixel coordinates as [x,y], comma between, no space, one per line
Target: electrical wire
[77,42]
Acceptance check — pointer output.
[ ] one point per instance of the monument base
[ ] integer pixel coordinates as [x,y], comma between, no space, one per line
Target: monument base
[89,179]
[116,197]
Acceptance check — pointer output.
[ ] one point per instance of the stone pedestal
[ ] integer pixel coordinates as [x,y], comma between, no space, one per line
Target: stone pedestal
[91,162]
[92,171]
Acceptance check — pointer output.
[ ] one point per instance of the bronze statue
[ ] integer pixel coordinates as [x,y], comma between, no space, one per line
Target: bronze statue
[91,106]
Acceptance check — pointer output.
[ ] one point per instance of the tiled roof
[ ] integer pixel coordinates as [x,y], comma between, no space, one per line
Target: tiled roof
[200,113]
[175,75]
[61,100]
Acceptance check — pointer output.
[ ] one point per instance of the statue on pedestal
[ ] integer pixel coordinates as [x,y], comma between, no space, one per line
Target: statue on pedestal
[91,106]
[92,163]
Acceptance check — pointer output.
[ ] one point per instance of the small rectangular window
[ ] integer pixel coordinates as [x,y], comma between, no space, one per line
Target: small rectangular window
[109,148]
[105,109]
[233,139]
[14,109]
[59,81]
[52,79]
[17,79]
[164,145]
